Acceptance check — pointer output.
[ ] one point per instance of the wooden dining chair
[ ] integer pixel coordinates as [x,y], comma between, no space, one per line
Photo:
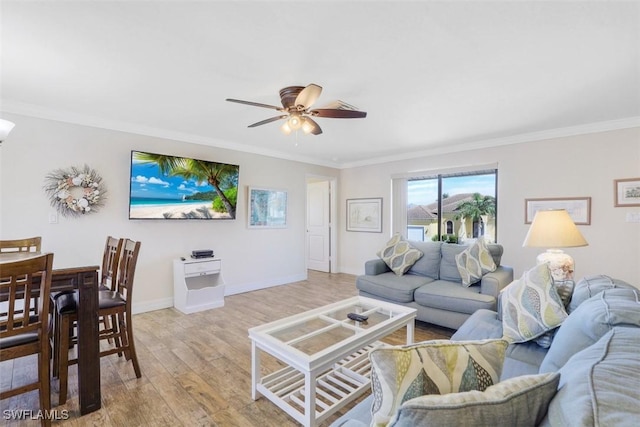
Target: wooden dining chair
[21,334]
[30,244]
[112,303]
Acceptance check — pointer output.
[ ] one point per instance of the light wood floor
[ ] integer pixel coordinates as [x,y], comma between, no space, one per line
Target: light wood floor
[196,369]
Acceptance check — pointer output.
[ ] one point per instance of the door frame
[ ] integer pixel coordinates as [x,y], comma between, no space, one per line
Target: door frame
[333,217]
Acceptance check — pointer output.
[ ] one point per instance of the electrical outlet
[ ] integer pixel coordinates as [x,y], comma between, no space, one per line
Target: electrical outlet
[53,217]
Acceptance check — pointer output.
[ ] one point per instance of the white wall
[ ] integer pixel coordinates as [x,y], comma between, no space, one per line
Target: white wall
[251,258]
[565,167]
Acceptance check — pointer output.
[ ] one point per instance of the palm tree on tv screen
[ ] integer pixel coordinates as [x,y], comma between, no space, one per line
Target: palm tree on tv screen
[218,175]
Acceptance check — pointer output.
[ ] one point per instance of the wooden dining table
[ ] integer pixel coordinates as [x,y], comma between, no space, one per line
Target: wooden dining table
[85,281]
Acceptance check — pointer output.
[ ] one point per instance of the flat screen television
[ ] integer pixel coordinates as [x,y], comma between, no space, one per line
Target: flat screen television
[171,187]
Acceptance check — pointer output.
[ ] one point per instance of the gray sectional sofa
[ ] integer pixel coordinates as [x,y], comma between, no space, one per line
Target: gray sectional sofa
[595,350]
[433,284]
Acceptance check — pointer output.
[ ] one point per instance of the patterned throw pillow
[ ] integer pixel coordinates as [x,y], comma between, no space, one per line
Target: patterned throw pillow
[432,367]
[399,255]
[565,290]
[518,401]
[474,262]
[531,306]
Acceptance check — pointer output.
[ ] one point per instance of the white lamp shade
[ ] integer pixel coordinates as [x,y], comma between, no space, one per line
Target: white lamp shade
[5,128]
[553,229]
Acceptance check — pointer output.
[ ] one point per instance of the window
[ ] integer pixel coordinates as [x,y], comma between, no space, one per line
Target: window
[451,207]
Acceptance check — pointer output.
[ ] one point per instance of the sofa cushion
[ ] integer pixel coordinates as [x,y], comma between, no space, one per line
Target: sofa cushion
[520,401]
[429,264]
[520,359]
[432,367]
[531,306]
[590,321]
[399,255]
[474,262]
[391,286]
[448,267]
[453,297]
[599,385]
[593,285]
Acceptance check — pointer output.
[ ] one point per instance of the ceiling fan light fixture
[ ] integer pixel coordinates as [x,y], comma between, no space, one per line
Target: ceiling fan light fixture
[295,121]
[307,127]
[285,128]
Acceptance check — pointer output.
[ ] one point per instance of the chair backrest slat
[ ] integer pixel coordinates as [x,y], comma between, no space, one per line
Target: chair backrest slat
[31,244]
[127,268]
[110,262]
[19,280]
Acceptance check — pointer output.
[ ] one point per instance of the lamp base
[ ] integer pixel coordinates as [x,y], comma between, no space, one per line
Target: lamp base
[560,264]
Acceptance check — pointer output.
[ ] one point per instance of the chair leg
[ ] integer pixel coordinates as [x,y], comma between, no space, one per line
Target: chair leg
[63,357]
[132,346]
[45,384]
[56,343]
[117,330]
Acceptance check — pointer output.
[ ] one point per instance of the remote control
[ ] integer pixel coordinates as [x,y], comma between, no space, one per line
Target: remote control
[357,317]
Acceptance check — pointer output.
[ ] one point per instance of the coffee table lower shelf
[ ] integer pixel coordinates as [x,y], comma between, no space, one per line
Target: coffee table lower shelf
[345,381]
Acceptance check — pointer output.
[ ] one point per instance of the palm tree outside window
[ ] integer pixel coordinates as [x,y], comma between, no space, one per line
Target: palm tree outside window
[453,207]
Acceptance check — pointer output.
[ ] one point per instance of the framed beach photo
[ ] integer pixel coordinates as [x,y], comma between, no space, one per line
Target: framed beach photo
[579,208]
[627,192]
[267,208]
[364,215]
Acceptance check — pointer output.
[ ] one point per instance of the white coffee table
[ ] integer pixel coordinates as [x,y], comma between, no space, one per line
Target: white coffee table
[326,353]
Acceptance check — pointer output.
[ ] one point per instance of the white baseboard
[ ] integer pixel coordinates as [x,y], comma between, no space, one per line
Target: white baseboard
[145,306]
[248,287]
[162,303]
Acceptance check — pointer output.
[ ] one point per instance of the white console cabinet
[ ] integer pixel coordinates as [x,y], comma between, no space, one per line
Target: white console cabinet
[197,284]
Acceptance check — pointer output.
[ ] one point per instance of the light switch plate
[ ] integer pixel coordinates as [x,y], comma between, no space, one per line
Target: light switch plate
[53,217]
[633,217]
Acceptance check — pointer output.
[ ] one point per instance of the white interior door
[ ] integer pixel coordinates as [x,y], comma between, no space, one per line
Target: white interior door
[318,226]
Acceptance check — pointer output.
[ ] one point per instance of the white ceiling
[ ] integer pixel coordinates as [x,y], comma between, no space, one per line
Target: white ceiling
[432,76]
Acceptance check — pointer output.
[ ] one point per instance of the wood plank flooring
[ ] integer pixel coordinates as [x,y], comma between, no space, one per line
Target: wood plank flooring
[196,369]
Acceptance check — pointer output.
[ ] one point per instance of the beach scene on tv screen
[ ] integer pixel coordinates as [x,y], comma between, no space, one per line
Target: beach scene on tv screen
[170,187]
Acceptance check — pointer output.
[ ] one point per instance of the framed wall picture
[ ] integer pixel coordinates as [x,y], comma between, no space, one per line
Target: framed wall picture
[627,192]
[267,208]
[579,208]
[364,215]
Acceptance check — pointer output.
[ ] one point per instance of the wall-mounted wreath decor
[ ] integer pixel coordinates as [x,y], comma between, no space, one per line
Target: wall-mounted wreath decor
[75,192]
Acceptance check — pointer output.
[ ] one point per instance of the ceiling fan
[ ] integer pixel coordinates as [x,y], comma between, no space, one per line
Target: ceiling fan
[296,109]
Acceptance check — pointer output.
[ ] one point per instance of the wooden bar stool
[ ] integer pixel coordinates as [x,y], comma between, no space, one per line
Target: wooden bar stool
[115,304]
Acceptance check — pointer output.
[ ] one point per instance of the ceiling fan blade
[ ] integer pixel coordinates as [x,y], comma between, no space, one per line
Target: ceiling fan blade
[272,119]
[338,113]
[308,96]
[311,126]
[255,104]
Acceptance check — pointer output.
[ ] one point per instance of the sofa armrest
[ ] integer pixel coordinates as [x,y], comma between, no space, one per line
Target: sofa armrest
[492,283]
[375,266]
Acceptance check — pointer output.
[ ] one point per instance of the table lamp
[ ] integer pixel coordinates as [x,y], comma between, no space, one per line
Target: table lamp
[555,229]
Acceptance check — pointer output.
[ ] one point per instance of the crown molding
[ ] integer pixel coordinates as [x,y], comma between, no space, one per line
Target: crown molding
[46,113]
[630,122]
[445,148]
